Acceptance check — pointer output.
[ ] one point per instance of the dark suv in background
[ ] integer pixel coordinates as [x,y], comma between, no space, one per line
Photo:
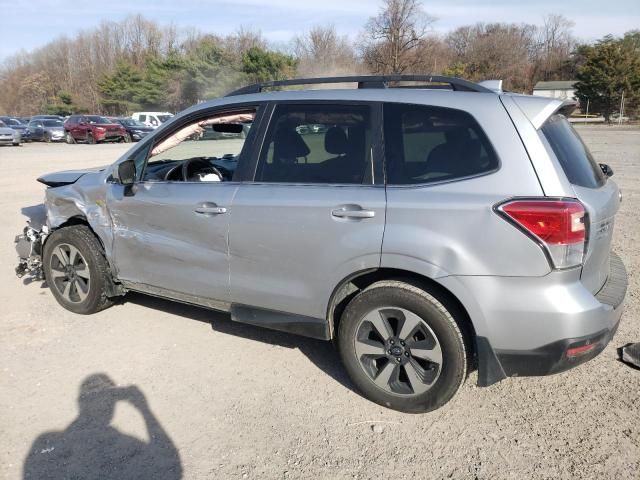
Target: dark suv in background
[135,130]
[93,129]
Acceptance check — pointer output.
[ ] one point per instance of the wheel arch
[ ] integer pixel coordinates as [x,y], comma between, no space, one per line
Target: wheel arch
[114,288]
[483,357]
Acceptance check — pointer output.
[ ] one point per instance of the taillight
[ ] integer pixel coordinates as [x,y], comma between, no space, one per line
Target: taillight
[559,225]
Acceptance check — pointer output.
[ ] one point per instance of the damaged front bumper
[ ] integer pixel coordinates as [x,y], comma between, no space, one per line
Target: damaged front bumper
[29,249]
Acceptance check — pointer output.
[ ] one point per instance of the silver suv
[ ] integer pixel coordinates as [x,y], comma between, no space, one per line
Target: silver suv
[428,230]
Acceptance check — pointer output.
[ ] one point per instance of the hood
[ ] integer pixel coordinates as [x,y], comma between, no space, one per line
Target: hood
[107,125]
[54,129]
[7,130]
[59,179]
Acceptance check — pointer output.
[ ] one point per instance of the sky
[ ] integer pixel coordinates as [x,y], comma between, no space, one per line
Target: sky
[28,24]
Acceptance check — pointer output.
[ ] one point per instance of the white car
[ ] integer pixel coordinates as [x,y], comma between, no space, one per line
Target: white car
[152,119]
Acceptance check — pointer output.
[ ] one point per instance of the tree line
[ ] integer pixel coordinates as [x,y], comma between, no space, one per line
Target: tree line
[138,64]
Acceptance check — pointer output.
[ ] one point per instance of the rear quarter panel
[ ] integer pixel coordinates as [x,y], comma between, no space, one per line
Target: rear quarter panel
[451,228]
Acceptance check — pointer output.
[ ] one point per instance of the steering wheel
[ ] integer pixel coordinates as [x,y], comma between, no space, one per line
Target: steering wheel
[198,165]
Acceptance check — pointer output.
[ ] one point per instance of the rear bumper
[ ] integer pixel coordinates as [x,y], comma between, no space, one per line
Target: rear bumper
[526,326]
[555,357]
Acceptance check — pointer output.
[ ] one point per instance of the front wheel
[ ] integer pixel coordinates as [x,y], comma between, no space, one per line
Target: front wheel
[402,348]
[69,138]
[76,270]
[47,137]
[127,138]
[91,139]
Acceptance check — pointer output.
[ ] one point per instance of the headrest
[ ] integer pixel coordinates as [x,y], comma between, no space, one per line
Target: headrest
[288,144]
[335,141]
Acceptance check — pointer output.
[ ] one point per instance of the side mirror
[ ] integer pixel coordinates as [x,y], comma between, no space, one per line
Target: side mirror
[606,169]
[127,173]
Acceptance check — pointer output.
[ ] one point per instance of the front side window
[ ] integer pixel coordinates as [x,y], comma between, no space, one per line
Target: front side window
[425,144]
[317,144]
[205,150]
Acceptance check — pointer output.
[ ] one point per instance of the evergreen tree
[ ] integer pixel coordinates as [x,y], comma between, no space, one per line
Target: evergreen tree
[611,68]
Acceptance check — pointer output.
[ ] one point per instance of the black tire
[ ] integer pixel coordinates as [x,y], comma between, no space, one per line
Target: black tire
[47,138]
[397,391]
[127,138]
[91,139]
[69,138]
[92,265]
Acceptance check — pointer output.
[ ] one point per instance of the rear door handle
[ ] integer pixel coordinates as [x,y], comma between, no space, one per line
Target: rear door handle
[210,208]
[352,211]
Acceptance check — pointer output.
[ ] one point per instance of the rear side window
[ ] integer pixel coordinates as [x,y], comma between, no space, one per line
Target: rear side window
[577,162]
[425,144]
[319,143]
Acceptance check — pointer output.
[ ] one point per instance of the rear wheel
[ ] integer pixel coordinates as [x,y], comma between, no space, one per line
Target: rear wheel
[91,139]
[127,138]
[69,138]
[76,270]
[402,348]
[47,137]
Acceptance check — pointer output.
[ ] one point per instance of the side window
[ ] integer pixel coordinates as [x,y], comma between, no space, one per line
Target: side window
[317,144]
[142,118]
[426,144]
[205,150]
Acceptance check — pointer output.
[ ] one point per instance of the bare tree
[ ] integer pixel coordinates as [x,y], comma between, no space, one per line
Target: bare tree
[322,52]
[555,44]
[392,38]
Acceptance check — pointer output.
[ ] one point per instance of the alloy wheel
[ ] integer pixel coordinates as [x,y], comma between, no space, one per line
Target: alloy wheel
[398,351]
[70,273]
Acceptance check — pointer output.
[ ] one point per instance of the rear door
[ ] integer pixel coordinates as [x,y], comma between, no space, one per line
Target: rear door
[315,211]
[599,195]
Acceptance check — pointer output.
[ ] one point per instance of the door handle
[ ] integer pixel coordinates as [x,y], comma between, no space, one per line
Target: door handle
[210,208]
[352,211]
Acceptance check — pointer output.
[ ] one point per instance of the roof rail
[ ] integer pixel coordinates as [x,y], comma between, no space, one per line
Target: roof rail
[368,81]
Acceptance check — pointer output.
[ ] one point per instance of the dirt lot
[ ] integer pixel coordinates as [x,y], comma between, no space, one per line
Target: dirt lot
[216,399]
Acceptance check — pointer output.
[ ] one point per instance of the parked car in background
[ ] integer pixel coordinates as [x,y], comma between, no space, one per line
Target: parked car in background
[47,117]
[152,119]
[93,129]
[46,130]
[16,124]
[9,136]
[24,120]
[135,130]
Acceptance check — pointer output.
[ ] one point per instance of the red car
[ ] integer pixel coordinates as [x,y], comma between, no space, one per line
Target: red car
[92,129]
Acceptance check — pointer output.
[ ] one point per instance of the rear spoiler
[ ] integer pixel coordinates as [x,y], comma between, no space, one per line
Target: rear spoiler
[539,109]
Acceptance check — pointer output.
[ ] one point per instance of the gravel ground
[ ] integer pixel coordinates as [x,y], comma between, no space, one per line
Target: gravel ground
[190,394]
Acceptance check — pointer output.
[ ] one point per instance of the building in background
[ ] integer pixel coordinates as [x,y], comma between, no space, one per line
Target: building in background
[564,89]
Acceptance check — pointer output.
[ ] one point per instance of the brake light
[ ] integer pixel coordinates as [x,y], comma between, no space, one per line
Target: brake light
[559,225]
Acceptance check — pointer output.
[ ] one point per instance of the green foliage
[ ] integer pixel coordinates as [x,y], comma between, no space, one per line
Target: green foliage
[262,65]
[61,105]
[457,69]
[611,67]
[120,90]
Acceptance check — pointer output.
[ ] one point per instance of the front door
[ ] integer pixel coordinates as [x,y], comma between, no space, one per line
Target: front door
[313,214]
[170,232]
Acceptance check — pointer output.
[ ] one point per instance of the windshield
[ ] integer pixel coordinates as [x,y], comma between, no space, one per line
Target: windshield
[164,118]
[97,119]
[52,123]
[12,122]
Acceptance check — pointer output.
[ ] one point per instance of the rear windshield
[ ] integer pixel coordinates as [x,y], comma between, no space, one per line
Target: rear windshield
[577,162]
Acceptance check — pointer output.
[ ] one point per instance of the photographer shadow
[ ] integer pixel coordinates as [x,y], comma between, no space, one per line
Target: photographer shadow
[91,448]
